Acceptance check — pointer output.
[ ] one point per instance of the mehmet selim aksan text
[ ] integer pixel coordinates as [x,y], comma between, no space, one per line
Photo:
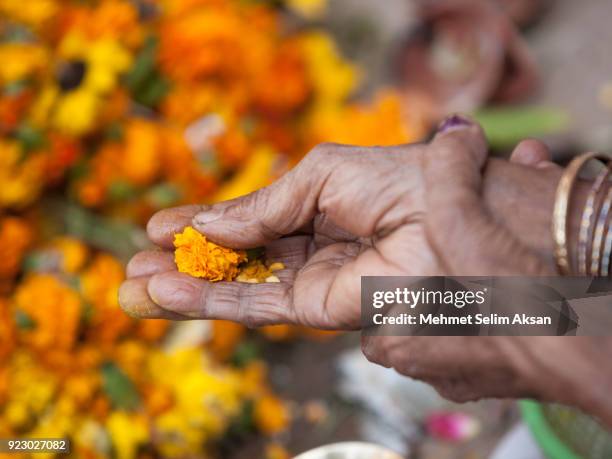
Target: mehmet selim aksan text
[459,299]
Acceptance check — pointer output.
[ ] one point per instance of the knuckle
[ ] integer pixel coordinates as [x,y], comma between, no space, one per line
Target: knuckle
[370,349]
[323,154]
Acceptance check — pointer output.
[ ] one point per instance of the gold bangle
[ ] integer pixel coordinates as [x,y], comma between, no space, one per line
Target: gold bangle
[561,208]
[599,265]
[607,251]
[587,218]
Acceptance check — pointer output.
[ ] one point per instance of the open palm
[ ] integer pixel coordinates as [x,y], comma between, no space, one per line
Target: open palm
[342,213]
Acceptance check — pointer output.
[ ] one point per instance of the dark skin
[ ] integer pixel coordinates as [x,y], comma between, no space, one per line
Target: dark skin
[441,208]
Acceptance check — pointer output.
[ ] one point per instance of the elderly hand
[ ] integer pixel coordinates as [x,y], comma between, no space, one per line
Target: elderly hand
[345,212]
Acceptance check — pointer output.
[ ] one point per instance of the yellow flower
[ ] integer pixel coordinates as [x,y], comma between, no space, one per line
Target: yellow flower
[128,432]
[308,8]
[32,12]
[20,179]
[104,61]
[271,415]
[256,173]
[205,401]
[199,257]
[20,60]
[76,112]
[73,253]
[332,77]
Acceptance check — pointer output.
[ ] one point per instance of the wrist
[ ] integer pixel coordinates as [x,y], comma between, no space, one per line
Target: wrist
[522,199]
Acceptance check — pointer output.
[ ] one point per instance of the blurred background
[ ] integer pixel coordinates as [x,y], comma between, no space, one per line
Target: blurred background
[113,109]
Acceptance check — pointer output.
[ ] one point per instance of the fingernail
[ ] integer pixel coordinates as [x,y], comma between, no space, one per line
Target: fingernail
[208,216]
[454,122]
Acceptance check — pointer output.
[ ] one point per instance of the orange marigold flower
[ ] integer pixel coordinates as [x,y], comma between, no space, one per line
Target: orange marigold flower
[7,330]
[199,257]
[43,298]
[15,238]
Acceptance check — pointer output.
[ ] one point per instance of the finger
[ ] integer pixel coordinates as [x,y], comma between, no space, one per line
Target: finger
[250,304]
[460,230]
[452,169]
[531,152]
[323,182]
[149,262]
[136,302]
[166,223]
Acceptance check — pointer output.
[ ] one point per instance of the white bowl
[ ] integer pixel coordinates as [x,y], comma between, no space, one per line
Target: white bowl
[349,450]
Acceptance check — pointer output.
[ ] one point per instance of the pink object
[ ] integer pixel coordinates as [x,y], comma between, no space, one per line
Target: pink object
[452,426]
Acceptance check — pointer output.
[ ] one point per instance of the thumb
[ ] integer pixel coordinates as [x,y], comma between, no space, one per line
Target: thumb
[458,226]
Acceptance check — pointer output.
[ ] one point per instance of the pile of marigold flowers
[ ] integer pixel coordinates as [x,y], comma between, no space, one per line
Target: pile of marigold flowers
[109,111]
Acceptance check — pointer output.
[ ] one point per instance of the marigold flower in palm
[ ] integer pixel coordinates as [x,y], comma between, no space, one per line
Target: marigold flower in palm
[198,257]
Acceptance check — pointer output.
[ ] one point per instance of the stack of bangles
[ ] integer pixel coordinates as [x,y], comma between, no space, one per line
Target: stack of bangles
[594,246]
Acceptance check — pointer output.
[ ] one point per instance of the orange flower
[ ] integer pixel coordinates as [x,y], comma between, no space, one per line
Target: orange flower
[15,238]
[226,335]
[140,157]
[100,284]
[7,331]
[151,330]
[283,86]
[198,257]
[53,309]
[276,451]
[271,415]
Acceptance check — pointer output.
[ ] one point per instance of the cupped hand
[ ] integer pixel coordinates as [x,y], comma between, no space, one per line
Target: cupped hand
[341,213]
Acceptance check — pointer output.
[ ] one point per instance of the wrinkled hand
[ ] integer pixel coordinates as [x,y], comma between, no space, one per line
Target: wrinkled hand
[343,212]
[469,241]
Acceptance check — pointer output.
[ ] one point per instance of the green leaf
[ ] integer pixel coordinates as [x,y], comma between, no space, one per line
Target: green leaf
[30,138]
[506,126]
[24,321]
[147,85]
[119,388]
[120,237]
[163,195]
[121,190]
[246,352]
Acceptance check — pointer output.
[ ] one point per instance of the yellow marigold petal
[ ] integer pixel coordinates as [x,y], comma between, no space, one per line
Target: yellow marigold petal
[198,257]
